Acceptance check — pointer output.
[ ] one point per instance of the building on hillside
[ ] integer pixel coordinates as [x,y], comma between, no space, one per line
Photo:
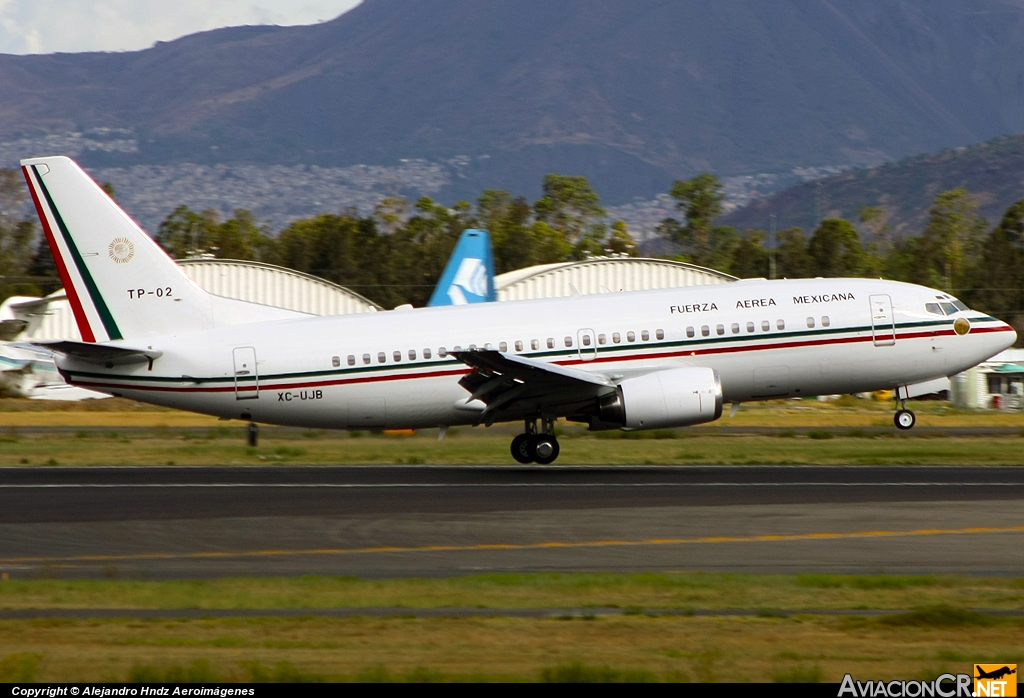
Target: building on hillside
[994,384]
[255,282]
[602,275]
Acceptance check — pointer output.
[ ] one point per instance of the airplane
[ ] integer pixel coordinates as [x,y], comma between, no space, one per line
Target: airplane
[637,360]
[469,274]
[26,370]
[994,674]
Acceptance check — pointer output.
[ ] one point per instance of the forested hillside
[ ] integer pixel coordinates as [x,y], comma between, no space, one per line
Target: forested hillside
[631,94]
[903,191]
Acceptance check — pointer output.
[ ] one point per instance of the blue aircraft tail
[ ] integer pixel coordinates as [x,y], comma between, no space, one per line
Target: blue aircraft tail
[469,276]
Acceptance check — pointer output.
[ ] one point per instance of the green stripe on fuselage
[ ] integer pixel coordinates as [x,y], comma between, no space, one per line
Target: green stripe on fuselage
[607,351]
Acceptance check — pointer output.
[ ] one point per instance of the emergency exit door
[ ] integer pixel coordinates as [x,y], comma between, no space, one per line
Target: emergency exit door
[247,380]
[586,345]
[883,327]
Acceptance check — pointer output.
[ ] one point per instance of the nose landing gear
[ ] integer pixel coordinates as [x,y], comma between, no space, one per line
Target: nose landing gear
[534,447]
[904,418]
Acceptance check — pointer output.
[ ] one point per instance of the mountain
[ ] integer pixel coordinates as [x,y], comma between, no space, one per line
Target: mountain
[993,172]
[631,94]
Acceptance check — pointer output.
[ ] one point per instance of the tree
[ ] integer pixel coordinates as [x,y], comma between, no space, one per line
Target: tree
[700,199]
[569,205]
[836,250]
[791,255]
[749,257]
[998,286]
[620,241]
[507,219]
[951,245]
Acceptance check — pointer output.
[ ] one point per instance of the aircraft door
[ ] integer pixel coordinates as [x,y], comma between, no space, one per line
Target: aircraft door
[586,345]
[247,380]
[883,328]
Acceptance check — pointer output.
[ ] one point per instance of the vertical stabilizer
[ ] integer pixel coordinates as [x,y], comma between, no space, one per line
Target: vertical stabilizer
[119,282]
[469,276]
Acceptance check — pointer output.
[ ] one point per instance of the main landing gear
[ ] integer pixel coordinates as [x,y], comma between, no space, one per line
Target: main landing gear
[904,418]
[536,447]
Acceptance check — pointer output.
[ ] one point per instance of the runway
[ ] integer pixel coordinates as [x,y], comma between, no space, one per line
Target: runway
[184,522]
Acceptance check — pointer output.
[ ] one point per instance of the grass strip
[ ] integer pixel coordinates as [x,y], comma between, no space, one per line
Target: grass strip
[675,591]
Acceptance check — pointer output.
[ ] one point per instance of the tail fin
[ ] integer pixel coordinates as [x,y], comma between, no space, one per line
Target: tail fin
[119,282]
[469,276]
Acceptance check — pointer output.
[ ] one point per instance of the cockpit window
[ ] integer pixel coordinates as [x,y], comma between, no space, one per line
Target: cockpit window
[949,308]
[933,308]
[960,305]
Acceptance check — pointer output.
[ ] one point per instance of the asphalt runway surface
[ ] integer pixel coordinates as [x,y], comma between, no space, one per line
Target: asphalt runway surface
[378,521]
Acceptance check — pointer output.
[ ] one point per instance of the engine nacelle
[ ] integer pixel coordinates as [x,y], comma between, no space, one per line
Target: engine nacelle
[663,399]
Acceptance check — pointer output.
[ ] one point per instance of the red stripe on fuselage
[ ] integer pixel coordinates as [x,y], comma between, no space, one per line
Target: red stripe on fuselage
[463,371]
[69,288]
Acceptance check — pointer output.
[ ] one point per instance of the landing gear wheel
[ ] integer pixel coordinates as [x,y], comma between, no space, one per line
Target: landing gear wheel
[545,449]
[905,419]
[522,448]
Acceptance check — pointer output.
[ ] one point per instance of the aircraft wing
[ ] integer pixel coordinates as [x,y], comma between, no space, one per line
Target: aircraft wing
[505,383]
[104,354]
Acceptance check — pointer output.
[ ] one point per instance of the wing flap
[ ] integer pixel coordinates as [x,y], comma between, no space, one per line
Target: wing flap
[509,383]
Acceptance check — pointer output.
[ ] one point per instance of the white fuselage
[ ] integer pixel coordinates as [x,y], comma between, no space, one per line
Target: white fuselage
[766,339]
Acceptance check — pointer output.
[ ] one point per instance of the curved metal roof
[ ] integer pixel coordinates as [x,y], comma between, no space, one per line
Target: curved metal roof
[269,284]
[603,275]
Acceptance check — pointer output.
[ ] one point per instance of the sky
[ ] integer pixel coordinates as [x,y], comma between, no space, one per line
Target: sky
[48,26]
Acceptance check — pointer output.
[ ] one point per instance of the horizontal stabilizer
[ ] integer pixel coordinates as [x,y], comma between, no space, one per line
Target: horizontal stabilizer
[103,354]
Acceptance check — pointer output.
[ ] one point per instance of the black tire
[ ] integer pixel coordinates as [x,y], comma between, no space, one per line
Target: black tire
[905,419]
[522,448]
[545,449]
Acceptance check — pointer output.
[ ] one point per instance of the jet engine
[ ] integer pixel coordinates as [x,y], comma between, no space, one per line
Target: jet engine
[663,399]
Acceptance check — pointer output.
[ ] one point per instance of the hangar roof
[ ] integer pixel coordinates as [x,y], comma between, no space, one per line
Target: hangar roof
[602,275]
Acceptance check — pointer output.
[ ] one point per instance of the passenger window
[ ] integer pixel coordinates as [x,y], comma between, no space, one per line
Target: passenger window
[933,308]
[781,324]
[366,358]
[720,329]
[551,342]
[616,337]
[689,332]
[601,339]
[660,334]
[750,327]
[825,322]
[519,345]
[810,322]
[351,359]
[412,355]
[630,336]
[568,341]
[335,361]
[534,344]
[735,328]
[442,352]
[381,357]
[398,356]
[705,331]
[765,326]
[645,335]
[457,348]
[426,353]
[586,340]
[502,346]
[488,346]
[472,347]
